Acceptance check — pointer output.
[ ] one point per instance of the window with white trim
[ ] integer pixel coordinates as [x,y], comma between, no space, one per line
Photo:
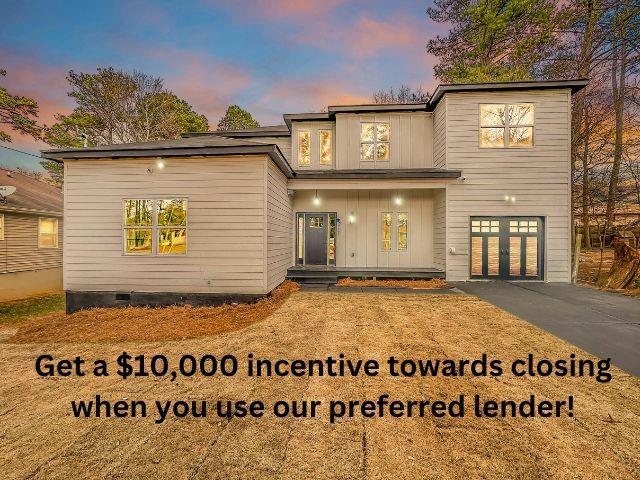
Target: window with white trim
[48,232]
[375,141]
[506,125]
[155,226]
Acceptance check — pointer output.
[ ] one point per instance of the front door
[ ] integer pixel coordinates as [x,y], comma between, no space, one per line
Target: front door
[509,248]
[316,235]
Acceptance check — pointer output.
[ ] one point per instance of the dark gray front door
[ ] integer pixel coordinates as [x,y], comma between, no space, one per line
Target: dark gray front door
[315,238]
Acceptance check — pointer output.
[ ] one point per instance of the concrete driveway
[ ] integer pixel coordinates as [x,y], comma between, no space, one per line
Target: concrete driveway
[602,323]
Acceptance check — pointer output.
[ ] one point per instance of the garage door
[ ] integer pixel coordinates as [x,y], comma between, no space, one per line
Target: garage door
[510,248]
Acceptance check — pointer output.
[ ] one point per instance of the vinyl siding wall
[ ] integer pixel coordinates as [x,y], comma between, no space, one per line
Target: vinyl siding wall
[226,225]
[440,134]
[358,245]
[279,227]
[538,177]
[19,251]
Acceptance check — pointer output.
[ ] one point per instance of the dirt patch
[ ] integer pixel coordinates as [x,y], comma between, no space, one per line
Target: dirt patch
[588,270]
[149,324]
[435,283]
[40,439]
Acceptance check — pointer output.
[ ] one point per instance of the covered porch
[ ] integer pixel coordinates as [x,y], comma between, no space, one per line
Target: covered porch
[394,230]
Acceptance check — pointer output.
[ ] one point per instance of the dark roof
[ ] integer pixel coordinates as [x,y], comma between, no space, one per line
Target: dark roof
[211,145]
[31,196]
[377,173]
[266,131]
[575,85]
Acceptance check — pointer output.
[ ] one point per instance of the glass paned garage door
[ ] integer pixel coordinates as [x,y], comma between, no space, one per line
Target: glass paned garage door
[507,248]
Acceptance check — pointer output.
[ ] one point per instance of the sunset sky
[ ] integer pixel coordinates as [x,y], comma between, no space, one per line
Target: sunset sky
[268,56]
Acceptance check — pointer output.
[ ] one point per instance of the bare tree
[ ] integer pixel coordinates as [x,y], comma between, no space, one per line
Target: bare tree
[404,94]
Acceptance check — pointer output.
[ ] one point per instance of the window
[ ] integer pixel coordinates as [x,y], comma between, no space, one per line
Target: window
[402,231]
[506,125]
[386,232]
[485,226]
[325,147]
[1,227]
[48,233]
[523,226]
[158,226]
[304,148]
[374,141]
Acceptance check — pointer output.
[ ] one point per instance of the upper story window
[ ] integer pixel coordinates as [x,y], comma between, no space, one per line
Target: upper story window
[503,125]
[158,226]
[325,147]
[1,227]
[304,148]
[48,233]
[374,141]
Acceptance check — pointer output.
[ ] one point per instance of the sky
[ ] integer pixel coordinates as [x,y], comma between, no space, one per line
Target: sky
[268,56]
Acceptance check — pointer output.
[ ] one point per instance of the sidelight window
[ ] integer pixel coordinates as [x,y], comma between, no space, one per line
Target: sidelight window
[386,232]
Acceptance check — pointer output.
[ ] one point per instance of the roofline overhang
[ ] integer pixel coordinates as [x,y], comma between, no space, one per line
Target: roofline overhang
[305,117]
[575,85]
[30,211]
[371,174]
[270,150]
[238,134]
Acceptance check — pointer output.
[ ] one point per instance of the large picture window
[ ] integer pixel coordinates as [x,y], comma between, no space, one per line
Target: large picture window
[155,226]
[48,233]
[503,125]
[304,148]
[374,141]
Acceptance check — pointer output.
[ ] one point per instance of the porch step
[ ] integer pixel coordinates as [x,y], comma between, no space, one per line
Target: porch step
[311,276]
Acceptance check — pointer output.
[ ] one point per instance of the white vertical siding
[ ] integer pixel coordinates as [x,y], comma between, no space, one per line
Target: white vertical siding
[358,245]
[538,177]
[226,225]
[279,227]
[411,140]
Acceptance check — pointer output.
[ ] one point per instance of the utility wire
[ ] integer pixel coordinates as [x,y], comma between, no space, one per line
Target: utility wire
[20,151]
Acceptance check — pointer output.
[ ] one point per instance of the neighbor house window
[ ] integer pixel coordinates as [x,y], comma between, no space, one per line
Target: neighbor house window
[48,233]
[503,125]
[158,226]
[374,141]
[386,232]
[1,227]
[402,231]
[325,147]
[304,148]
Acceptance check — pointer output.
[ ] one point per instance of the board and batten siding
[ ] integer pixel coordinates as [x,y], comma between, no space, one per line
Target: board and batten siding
[358,244]
[440,134]
[439,229]
[279,226]
[19,251]
[538,177]
[411,140]
[226,237]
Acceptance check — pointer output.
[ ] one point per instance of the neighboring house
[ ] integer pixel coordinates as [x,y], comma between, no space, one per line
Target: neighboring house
[30,237]
[474,184]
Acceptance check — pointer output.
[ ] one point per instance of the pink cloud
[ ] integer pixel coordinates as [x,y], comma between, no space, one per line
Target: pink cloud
[284,9]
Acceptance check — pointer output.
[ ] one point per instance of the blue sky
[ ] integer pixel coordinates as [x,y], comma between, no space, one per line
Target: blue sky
[268,56]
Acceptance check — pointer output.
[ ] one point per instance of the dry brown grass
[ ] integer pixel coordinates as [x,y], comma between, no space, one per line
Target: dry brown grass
[39,438]
[149,324]
[435,283]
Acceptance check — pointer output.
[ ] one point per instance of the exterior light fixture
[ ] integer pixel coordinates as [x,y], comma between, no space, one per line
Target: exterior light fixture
[510,199]
[316,199]
[160,164]
[352,218]
[398,200]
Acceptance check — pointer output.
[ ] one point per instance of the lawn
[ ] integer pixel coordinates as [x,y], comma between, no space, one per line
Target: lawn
[40,439]
[16,311]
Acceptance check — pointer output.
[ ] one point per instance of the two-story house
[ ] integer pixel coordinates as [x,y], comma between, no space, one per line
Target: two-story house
[474,184]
